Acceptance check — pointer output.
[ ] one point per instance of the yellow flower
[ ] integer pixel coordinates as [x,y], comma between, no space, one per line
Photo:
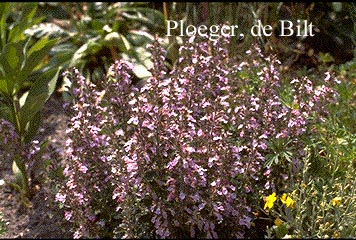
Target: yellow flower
[284,197]
[270,201]
[288,201]
[278,222]
[336,201]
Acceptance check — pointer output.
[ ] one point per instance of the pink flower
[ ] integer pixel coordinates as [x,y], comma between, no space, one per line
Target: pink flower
[67,215]
[181,196]
[60,197]
[173,163]
[83,169]
[133,120]
[148,125]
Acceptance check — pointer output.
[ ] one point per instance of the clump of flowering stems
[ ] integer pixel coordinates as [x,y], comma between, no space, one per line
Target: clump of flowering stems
[186,154]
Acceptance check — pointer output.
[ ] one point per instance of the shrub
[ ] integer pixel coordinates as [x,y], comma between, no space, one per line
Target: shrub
[189,153]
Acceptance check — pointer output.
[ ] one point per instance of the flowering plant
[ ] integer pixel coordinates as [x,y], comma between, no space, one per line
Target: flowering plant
[187,154]
[281,214]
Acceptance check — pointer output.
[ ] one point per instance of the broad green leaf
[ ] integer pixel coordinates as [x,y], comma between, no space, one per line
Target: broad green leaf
[97,25]
[79,55]
[25,21]
[114,39]
[36,54]
[139,37]
[62,56]
[39,93]
[24,51]
[32,105]
[12,58]
[40,44]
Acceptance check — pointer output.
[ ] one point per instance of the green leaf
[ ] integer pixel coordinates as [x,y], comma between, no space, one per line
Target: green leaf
[43,45]
[32,127]
[111,39]
[5,10]
[151,18]
[12,57]
[139,37]
[19,169]
[79,55]
[18,174]
[37,52]
[25,21]
[3,87]
[39,93]
[94,46]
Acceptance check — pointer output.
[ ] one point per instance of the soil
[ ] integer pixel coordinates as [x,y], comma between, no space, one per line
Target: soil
[42,218]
